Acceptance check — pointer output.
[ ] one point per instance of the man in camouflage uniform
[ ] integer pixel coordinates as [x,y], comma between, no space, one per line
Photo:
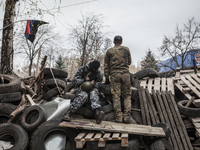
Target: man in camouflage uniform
[116,65]
[90,73]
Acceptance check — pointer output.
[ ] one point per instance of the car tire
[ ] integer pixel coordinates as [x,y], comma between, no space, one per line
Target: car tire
[188,111]
[10,97]
[14,134]
[51,93]
[5,110]
[51,83]
[146,72]
[56,73]
[49,128]
[32,117]
[11,84]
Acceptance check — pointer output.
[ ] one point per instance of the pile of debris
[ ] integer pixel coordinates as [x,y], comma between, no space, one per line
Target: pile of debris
[166,111]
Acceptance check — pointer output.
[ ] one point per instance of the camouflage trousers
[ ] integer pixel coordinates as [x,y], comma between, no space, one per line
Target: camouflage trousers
[121,86]
[82,97]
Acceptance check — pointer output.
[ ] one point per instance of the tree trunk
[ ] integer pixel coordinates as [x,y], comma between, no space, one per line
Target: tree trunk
[7,38]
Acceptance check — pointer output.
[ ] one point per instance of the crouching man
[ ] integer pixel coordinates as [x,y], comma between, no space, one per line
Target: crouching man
[87,81]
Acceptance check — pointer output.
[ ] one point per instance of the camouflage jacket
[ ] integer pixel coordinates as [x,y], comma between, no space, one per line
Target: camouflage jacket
[78,78]
[117,60]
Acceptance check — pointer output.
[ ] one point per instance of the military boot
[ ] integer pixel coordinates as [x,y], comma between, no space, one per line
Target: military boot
[99,115]
[128,119]
[67,116]
[119,117]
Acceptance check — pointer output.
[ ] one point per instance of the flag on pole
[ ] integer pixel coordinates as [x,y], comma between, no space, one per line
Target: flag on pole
[31,28]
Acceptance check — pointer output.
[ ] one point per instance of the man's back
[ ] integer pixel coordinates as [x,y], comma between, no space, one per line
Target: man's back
[117,59]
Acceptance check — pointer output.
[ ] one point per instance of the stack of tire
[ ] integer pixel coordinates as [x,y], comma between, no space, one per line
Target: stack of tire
[10,96]
[24,131]
[55,82]
[10,89]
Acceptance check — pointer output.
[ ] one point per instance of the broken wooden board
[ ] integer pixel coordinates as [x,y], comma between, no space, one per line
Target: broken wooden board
[160,84]
[108,126]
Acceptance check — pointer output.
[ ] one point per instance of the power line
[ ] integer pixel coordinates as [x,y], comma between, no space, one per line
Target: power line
[55,16]
[57,8]
[72,5]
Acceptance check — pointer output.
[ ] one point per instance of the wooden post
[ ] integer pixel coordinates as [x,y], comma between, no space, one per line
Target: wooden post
[195,67]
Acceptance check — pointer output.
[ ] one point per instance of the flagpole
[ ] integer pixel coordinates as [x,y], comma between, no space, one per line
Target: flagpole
[12,24]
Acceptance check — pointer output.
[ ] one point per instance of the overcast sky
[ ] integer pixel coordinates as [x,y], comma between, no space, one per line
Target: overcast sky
[141,23]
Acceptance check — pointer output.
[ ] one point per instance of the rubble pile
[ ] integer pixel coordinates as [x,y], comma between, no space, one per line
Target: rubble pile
[31,109]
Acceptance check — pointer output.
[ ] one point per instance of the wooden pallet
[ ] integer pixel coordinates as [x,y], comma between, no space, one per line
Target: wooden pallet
[161,107]
[189,83]
[102,138]
[180,72]
[196,123]
[160,84]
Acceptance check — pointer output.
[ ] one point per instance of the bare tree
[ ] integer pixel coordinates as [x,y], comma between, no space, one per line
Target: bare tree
[46,39]
[179,45]
[71,65]
[8,27]
[88,39]
[7,40]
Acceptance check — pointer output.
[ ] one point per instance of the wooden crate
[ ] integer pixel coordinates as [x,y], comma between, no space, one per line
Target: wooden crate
[160,84]
[102,138]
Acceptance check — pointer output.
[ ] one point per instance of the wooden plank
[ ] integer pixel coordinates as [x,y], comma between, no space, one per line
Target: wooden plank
[173,102]
[80,135]
[152,109]
[187,71]
[102,143]
[143,83]
[115,136]
[160,112]
[170,85]
[150,83]
[193,81]
[196,102]
[167,119]
[98,136]
[163,84]
[196,78]
[142,105]
[189,102]
[158,106]
[145,106]
[156,84]
[190,86]
[181,89]
[106,135]
[89,136]
[124,140]
[124,135]
[177,72]
[90,124]
[173,119]
[197,125]
[80,144]
[194,120]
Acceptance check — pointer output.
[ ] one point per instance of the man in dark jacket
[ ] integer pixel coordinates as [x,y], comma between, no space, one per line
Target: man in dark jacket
[90,73]
[116,65]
